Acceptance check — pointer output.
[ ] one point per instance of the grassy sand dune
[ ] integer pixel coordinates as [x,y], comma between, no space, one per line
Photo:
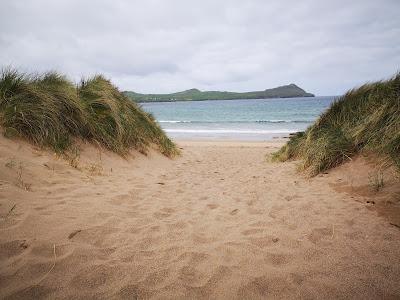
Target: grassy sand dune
[49,110]
[366,119]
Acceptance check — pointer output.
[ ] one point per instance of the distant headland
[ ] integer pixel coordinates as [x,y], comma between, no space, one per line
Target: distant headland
[285,91]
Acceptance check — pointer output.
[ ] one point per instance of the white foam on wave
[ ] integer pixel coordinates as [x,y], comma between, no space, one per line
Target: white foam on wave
[250,121]
[170,121]
[278,131]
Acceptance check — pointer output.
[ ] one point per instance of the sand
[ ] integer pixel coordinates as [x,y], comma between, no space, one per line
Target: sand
[219,222]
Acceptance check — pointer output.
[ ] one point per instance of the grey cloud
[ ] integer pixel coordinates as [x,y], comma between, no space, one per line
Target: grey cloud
[325,47]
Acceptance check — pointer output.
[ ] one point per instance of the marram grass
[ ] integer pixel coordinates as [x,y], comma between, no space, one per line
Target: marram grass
[51,111]
[364,119]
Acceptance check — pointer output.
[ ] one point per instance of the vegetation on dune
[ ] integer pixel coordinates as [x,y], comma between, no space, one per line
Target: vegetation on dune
[49,110]
[364,119]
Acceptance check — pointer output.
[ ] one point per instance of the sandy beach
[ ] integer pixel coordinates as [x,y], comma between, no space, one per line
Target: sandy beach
[218,222]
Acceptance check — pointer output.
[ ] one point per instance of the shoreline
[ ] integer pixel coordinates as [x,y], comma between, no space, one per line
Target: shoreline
[218,139]
[230,142]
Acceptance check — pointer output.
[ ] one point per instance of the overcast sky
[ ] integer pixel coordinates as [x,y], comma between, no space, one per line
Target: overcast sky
[325,47]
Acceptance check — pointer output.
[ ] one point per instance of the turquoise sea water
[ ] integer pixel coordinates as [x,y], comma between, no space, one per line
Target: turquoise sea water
[258,119]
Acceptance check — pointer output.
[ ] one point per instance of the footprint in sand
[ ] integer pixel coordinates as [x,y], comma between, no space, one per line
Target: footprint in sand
[156,278]
[205,285]
[262,242]
[190,276]
[318,234]
[264,287]
[278,259]
[355,235]
[12,248]
[132,291]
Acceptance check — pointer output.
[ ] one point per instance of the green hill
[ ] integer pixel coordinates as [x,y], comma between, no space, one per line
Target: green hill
[51,111]
[366,119]
[286,91]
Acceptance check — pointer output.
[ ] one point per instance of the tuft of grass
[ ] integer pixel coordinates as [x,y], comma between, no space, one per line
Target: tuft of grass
[72,156]
[376,181]
[50,111]
[364,119]
[20,181]
[95,169]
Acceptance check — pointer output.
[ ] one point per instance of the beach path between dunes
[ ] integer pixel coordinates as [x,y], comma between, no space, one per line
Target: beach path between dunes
[218,222]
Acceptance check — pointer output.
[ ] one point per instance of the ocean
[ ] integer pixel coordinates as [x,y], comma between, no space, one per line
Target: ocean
[258,119]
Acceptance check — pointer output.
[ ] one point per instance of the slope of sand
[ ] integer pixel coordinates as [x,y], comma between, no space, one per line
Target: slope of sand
[218,222]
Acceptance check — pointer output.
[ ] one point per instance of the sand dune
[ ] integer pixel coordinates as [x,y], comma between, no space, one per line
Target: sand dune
[218,222]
